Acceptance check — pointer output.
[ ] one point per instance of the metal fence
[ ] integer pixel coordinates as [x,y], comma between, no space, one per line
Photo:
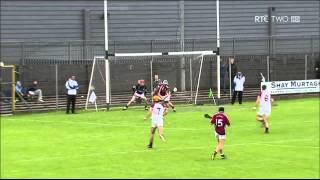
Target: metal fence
[51,63]
[75,51]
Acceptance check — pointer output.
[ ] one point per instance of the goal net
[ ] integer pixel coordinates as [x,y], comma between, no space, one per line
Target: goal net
[7,89]
[128,68]
[97,88]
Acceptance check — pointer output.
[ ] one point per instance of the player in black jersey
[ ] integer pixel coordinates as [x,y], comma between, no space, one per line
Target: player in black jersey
[139,92]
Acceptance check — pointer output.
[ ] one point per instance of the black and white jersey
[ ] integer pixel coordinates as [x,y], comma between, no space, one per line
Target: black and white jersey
[139,89]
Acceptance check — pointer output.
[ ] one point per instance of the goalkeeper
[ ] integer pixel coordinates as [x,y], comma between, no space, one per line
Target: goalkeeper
[140,91]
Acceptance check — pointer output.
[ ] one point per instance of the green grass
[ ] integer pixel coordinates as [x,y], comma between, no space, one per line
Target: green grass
[113,144]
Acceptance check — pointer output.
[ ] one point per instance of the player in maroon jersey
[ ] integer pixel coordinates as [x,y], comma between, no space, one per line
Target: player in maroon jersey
[163,91]
[219,120]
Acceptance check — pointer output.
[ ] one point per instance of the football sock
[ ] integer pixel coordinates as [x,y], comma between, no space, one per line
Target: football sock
[162,138]
[213,156]
[150,144]
[215,153]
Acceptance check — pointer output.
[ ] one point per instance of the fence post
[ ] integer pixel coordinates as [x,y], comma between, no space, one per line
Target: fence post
[193,44]
[151,72]
[233,45]
[69,52]
[268,68]
[57,89]
[22,54]
[305,66]
[191,85]
[312,50]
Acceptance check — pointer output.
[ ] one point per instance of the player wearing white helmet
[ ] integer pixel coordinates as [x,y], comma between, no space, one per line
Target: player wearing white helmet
[164,92]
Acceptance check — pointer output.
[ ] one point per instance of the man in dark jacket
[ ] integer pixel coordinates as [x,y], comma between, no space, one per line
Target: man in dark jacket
[317,68]
[33,90]
[223,75]
[234,71]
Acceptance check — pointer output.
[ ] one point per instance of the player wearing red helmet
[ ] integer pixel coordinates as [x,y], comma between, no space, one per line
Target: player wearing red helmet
[139,91]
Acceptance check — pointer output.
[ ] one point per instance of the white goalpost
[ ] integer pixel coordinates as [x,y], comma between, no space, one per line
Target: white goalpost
[107,65]
[218,48]
[97,82]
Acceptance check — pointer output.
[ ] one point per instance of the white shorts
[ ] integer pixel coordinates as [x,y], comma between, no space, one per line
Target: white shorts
[139,95]
[218,136]
[264,111]
[157,123]
[32,92]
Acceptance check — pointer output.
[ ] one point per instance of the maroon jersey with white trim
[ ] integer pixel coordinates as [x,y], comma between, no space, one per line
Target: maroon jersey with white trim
[163,90]
[220,121]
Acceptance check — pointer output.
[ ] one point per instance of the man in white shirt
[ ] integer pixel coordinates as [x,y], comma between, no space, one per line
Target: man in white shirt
[72,87]
[238,80]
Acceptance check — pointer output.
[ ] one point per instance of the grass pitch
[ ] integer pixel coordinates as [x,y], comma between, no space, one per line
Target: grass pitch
[113,144]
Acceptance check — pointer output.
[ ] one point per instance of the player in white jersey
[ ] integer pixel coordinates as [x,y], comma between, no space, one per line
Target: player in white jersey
[157,112]
[264,103]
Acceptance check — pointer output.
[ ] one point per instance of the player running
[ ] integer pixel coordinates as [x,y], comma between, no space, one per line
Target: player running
[219,120]
[140,91]
[157,112]
[264,102]
[163,91]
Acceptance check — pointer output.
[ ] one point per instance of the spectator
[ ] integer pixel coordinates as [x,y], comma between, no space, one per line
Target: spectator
[19,91]
[72,87]
[223,72]
[234,71]
[317,69]
[156,83]
[239,80]
[33,90]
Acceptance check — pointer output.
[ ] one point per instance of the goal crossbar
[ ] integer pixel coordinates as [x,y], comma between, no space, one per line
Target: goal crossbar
[175,53]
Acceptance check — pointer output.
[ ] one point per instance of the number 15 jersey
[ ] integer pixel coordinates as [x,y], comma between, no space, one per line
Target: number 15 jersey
[220,121]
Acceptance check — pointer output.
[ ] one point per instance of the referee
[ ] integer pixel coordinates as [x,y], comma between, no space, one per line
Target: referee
[72,87]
